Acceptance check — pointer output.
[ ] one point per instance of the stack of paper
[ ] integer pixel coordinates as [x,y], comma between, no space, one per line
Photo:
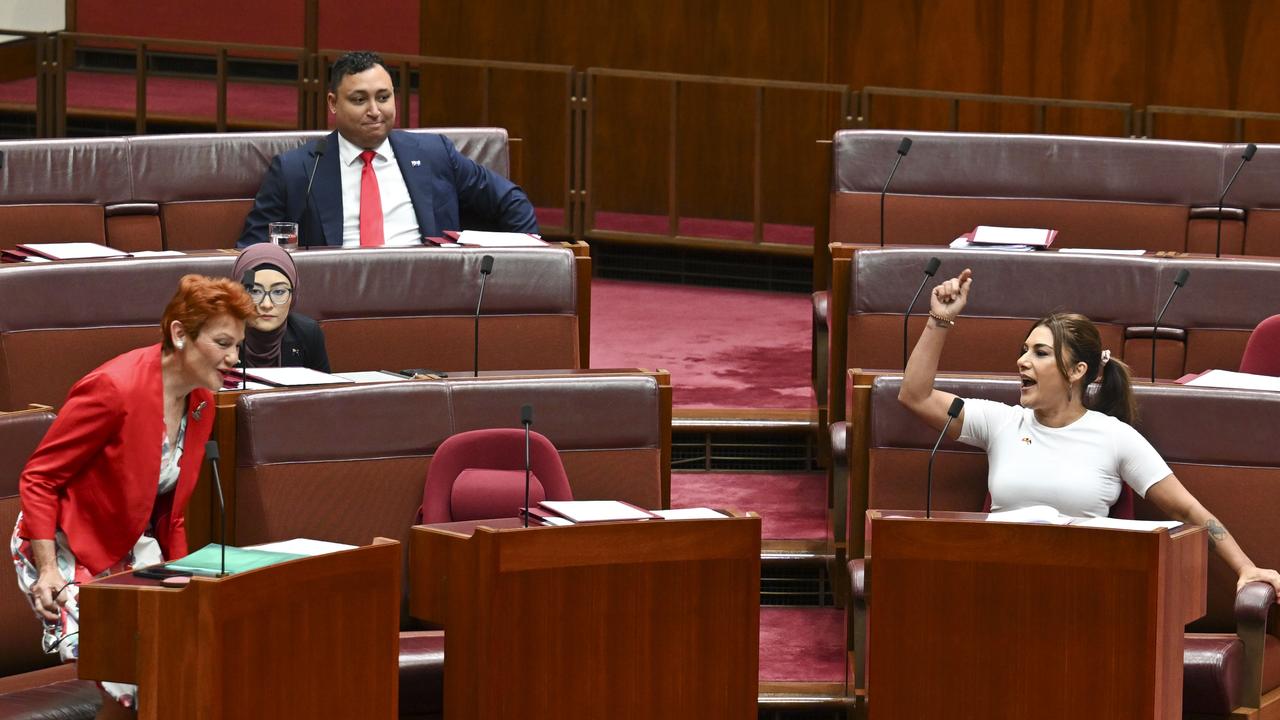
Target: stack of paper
[1235,380]
[208,560]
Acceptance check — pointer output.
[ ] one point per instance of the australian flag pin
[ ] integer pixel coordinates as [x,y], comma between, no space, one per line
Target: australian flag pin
[195,414]
[415,163]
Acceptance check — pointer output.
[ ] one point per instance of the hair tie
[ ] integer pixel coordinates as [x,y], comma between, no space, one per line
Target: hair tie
[1106,358]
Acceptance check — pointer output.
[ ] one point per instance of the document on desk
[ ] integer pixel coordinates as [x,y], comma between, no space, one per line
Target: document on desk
[481,238]
[1121,524]
[698,513]
[72,250]
[371,376]
[303,547]
[583,511]
[1235,380]
[291,376]
[1038,514]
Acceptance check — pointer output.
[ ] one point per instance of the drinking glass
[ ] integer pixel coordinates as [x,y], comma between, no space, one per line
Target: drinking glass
[284,234]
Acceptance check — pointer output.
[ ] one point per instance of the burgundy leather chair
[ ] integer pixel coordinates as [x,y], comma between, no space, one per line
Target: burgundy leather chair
[1262,353]
[480,474]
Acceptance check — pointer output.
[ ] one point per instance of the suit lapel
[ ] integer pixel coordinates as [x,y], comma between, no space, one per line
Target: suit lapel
[326,194]
[408,152]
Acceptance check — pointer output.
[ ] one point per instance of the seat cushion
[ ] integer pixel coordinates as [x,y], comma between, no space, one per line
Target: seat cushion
[62,700]
[1212,669]
[483,493]
[421,675]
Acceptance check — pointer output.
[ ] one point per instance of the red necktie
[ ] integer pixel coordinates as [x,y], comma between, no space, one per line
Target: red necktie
[370,204]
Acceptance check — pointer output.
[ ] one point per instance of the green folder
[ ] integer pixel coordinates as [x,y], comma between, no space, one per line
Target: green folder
[208,560]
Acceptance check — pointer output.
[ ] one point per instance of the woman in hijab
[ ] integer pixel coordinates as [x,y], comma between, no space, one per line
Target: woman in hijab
[277,337]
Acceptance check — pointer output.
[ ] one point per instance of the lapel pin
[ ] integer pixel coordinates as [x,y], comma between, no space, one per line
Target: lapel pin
[415,163]
[195,414]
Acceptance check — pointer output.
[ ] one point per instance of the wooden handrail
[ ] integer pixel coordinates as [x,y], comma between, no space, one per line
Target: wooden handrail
[955,98]
[674,81]
[1238,117]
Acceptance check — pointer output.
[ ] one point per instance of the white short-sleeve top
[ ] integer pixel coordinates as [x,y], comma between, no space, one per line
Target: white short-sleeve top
[1075,469]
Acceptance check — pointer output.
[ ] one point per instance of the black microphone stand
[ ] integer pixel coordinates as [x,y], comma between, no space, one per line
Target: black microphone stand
[1178,282]
[952,413]
[526,419]
[211,452]
[486,267]
[929,270]
[1248,154]
[903,148]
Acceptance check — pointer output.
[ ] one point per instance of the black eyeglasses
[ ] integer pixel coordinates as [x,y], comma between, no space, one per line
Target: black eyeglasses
[279,296]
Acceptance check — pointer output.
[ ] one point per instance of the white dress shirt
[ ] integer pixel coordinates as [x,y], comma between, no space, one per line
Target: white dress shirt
[399,223]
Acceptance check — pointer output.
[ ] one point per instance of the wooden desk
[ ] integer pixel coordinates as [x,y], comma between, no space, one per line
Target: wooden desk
[655,619]
[976,619]
[311,638]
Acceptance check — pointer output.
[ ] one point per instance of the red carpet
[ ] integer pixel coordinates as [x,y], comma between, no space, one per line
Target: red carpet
[724,348]
[792,506]
[802,644]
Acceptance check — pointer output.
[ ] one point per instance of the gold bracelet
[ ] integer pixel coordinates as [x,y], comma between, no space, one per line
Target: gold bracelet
[940,322]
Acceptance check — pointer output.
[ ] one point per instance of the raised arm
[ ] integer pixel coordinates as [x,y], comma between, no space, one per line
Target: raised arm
[917,393]
[1178,503]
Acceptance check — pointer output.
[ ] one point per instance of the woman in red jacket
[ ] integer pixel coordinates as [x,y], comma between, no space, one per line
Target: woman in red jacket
[107,487]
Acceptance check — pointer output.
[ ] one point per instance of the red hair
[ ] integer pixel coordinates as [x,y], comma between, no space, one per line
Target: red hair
[200,299]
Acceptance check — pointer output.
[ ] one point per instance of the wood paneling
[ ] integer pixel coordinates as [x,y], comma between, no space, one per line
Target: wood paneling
[776,39]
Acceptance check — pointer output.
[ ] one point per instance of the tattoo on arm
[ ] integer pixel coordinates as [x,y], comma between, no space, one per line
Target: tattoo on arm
[1217,533]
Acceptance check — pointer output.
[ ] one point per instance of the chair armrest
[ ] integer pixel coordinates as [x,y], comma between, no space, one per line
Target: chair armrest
[840,445]
[821,303]
[1254,603]
[858,600]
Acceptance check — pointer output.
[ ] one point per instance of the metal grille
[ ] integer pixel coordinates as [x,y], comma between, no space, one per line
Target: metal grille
[689,266]
[796,584]
[721,451]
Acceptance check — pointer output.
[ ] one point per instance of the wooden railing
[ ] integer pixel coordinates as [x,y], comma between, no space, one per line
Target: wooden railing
[674,82]
[1237,118]
[144,47]
[1040,105]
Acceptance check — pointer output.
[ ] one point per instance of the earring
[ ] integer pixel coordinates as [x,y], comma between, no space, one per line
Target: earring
[179,344]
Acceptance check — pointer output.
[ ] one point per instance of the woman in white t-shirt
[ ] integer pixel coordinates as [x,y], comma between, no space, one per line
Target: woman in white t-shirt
[1059,447]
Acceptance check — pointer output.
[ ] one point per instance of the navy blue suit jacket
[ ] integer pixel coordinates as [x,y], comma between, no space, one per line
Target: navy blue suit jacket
[449,192]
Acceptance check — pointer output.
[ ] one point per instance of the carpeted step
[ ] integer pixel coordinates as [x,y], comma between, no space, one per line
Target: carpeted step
[802,644]
[792,506]
[725,348]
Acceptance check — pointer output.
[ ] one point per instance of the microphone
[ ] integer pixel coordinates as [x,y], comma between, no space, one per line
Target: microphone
[903,148]
[211,454]
[1178,282]
[929,270]
[953,412]
[1249,151]
[526,419]
[321,146]
[486,267]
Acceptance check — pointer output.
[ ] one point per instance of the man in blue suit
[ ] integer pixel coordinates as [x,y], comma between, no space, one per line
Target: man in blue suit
[378,186]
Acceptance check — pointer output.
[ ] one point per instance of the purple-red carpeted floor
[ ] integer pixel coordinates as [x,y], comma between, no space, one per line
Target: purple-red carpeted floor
[802,644]
[792,506]
[724,348]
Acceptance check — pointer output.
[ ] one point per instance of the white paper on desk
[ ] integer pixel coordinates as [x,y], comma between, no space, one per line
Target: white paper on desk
[962,243]
[1100,251]
[156,253]
[304,546]
[73,250]
[1121,524]
[698,513]
[1040,514]
[992,235]
[1235,380]
[291,376]
[482,238]
[594,510]
[371,376]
